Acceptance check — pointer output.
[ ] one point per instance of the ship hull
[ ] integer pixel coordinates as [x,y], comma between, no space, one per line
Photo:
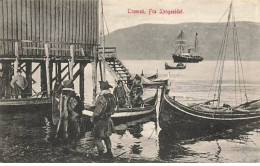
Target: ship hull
[186,59]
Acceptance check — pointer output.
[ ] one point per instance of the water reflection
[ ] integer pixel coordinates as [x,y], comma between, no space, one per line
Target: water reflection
[207,145]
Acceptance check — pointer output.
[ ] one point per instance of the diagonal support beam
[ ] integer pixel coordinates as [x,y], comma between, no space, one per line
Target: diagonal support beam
[53,79]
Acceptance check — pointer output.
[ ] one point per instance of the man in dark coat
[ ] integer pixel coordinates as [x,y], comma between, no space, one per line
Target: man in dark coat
[136,92]
[120,94]
[71,107]
[103,124]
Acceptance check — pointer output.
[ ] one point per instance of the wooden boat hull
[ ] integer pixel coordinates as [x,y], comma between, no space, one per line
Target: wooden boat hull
[24,103]
[175,114]
[167,67]
[192,59]
[127,114]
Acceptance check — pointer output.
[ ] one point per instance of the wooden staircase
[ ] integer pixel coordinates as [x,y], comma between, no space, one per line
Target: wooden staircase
[114,64]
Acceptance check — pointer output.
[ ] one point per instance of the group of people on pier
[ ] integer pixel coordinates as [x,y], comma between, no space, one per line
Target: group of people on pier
[106,103]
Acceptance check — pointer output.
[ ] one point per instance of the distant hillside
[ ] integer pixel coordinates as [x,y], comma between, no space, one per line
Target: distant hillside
[153,41]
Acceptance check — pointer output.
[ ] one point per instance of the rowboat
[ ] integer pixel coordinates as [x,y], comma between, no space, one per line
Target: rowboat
[178,66]
[174,114]
[129,113]
[155,83]
[151,77]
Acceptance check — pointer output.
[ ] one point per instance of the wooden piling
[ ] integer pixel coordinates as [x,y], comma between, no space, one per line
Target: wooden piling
[81,81]
[16,62]
[29,78]
[72,61]
[47,65]
[43,78]
[50,71]
[94,73]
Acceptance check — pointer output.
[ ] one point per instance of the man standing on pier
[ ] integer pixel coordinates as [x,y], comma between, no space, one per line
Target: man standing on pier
[103,124]
[19,84]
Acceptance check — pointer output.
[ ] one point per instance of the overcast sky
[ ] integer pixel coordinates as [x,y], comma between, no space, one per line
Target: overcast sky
[117,16]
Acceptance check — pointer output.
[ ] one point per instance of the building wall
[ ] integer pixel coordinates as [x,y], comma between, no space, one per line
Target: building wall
[66,21]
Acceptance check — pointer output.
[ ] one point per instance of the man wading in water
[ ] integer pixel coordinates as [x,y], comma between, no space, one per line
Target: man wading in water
[70,111]
[103,124]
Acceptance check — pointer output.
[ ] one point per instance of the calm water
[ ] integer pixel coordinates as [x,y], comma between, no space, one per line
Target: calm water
[27,136]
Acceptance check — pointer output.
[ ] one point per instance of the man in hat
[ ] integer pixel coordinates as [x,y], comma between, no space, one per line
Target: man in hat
[101,118]
[136,92]
[19,84]
[70,107]
[2,89]
[120,94]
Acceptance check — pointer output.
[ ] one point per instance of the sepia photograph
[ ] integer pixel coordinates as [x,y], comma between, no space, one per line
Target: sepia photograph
[129,81]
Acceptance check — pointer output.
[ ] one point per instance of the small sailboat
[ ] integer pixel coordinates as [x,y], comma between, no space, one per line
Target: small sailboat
[213,113]
[191,56]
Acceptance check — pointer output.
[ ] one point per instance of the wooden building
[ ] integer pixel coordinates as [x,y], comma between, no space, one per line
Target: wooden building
[48,32]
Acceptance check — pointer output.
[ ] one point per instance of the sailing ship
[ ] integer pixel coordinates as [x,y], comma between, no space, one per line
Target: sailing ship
[191,56]
[213,113]
[178,66]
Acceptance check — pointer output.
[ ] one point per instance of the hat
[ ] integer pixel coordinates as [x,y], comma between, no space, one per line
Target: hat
[137,77]
[119,81]
[19,70]
[104,85]
[68,83]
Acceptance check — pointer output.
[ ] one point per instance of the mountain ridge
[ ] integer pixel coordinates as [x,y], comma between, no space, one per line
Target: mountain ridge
[154,41]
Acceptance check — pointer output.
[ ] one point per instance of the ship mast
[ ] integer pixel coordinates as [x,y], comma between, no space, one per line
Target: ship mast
[180,43]
[223,53]
[103,42]
[196,44]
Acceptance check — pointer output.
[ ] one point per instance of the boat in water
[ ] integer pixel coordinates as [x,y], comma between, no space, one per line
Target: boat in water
[173,114]
[126,114]
[192,54]
[213,113]
[151,77]
[178,66]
